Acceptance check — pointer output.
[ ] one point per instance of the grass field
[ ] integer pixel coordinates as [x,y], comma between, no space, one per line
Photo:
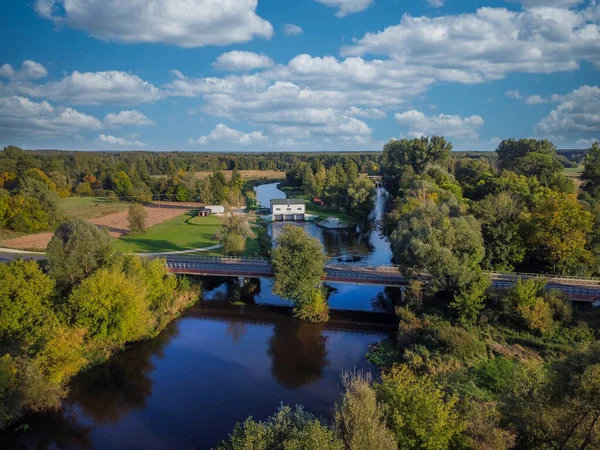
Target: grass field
[90,207]
[574,173]
[183,232]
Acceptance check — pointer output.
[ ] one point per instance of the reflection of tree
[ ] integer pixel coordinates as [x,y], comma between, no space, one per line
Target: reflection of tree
[123,383]
[236,330]
[236,293]
[58,429]
[299,353]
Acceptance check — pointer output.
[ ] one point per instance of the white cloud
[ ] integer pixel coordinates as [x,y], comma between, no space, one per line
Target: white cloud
[94,88]
[289,29]
[548,3]
[418,124]
[513,94]
[21,118]
[435,3]
[113,140]
[222,134]
[242,61]
[127,118]
[578,112]
[487,45]
[367,113]
[346,7]
[586,143]
[30,70]
[183,23]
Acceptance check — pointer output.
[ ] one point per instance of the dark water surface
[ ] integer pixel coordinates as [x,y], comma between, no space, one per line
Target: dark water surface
[189,386]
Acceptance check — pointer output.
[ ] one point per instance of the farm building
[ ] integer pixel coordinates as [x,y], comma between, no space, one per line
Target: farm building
[215,209]
[288,209]
[203,212]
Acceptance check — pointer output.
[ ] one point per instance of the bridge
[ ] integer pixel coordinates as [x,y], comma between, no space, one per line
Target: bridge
[578,289]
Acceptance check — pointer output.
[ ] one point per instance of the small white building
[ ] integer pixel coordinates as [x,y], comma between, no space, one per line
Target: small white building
[215,209]
[288,209]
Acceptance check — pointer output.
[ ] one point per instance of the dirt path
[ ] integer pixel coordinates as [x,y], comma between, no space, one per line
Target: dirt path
[116,223]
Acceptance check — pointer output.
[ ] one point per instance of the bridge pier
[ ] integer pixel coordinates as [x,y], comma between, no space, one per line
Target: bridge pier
[402,294]
[241,280]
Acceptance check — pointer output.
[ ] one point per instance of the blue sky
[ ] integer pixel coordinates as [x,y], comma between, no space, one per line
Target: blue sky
[296,75]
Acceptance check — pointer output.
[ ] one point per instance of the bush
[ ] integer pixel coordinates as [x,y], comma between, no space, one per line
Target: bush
[315,309]
[461,343]
[287,429]
[495,374]
[84,190]
[359,419]
[137,217]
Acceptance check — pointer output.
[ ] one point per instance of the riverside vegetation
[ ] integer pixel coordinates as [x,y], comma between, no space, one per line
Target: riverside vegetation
[86,304]
[470,368]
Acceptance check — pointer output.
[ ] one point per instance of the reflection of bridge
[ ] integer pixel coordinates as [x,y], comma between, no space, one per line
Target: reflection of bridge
[579,289]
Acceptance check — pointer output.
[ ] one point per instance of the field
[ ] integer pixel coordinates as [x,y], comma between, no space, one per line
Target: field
[116,223]
[574,173]
[90,207]
[246,174]
[183,232]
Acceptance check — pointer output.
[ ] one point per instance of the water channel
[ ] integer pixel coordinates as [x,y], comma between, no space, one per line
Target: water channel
[217,365]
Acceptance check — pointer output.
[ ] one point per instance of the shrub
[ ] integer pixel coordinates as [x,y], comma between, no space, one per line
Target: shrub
[461,343]
[137,217]
[359,419]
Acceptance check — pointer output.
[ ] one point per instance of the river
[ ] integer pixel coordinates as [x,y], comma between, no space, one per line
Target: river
[219,364]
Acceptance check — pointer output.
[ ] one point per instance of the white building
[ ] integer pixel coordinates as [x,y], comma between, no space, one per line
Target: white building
[215,209]
[288,209]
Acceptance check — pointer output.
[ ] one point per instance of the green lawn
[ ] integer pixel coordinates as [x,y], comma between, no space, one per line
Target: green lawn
[90,207]
[183,232]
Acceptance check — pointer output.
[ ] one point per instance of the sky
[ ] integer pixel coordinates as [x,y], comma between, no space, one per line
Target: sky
[296,75]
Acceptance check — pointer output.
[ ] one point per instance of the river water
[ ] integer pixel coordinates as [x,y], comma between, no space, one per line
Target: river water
[219,364]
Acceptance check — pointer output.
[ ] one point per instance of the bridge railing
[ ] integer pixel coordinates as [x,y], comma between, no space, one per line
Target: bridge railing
[550,277]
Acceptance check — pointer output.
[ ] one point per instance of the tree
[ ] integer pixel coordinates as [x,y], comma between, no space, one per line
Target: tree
[298,261]
[236,180]
[233,234]
[48,199]
[76,250]
[25,301]
[361,195]
[112,307]
[359,418]
[591,172]
[430,238]
[137,216]
[421,415]
[217,186]
[84,190]
[122,184]
[531,157]
[418,154]
[292,429]
[470,301]
[557,232]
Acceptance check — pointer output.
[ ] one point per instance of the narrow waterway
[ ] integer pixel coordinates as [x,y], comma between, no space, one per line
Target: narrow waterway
[366,245]
[208,370]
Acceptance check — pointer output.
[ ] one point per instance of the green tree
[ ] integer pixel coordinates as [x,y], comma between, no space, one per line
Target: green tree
[84,190]
[112,307]
[288,429]
[137,216]
[469,302]
[233,234]
[361,197]
[122,184]
[591,171]
[557,232]
[76,250]
[525,304]
[298,261]
[48,199]
[236,180]
[416,154]
[25,301]
[430,238]
[359,418]
[421,415]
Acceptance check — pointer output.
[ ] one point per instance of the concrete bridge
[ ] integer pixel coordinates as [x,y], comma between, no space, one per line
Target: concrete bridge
[578,289]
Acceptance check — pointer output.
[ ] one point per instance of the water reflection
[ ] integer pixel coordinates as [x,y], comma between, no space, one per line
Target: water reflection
[299,353]
[208,370]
